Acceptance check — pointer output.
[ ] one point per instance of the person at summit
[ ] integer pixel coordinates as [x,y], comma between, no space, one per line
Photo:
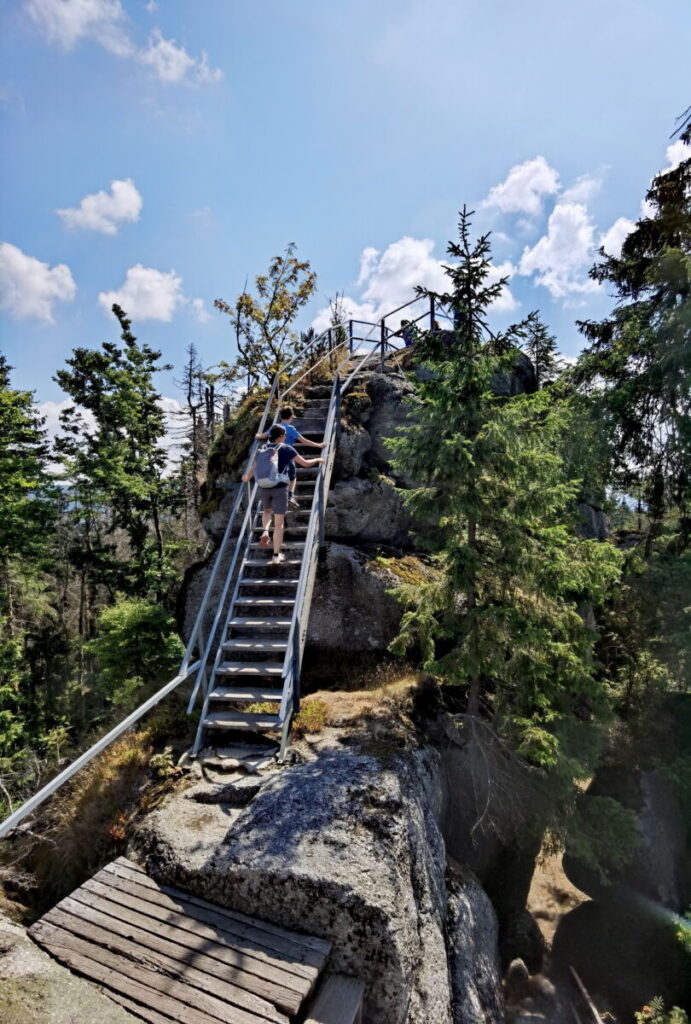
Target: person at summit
[272,480]
[293,437]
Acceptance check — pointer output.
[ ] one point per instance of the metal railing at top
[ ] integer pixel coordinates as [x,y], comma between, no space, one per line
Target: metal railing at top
[199,644]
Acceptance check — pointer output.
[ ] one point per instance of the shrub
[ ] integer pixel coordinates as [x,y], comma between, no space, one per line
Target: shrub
[136,645]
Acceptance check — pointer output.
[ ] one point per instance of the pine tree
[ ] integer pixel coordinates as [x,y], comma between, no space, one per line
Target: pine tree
[117,468]
[27,502]
[541,347]
[502,618]
[638,364]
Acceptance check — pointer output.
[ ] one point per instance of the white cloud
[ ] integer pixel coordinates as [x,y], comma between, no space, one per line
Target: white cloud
[561,258]
[147,294]
[102,211]
[65,22]
[29,287]
[199,311]
[676,154]
[506,301]
[389,279]
[173,413]
[172,63]
[151,6]
[524,187]
[582,190]
[614,237]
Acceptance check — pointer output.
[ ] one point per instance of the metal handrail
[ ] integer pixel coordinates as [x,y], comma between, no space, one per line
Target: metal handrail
[51,787]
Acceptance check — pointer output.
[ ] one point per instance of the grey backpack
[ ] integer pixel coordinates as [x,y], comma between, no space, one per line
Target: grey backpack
[266,467]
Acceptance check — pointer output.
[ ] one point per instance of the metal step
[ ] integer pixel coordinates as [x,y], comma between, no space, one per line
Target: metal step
[294,544]
[251,645]
[265,602]
[287,582]
[248,694]
[258,563]
[255,623]
[259,528]
[242,720]
[257,669]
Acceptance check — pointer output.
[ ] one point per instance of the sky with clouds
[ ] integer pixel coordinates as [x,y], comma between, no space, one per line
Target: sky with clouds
[158,153]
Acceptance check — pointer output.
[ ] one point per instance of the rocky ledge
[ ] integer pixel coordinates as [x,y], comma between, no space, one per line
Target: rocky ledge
[345,844]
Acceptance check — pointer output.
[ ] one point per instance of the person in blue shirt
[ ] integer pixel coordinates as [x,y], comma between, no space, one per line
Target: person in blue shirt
[293,436]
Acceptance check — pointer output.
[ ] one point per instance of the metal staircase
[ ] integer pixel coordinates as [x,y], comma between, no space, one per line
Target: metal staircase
[250,657]
[260,643]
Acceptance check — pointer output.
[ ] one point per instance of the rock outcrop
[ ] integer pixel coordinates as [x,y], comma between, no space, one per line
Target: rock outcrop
[35,988]
[368,511]
[659,868]
[346,846]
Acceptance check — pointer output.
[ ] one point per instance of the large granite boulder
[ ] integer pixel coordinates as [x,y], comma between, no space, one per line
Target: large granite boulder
[35,988]
[520,380]
[389,411]
[659,867]
[352,608]
[367,511]
[346,847]
[594,524]
[354,442]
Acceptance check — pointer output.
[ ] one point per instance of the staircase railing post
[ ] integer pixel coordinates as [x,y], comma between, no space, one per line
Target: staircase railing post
[338,406]
[320,507]
[296,663]
[431,312]
[350,337]
[382,343]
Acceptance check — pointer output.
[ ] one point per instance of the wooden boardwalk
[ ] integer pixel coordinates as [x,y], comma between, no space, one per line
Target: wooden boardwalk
[167,956]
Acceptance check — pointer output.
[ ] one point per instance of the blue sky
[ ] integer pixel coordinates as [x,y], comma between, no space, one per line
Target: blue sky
[356,130]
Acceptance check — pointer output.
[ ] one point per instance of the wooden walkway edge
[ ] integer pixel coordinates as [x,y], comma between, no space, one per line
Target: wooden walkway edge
[167,956]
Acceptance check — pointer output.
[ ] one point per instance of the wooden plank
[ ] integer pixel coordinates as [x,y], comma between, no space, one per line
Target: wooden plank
[224,962]
[310,941]
[197,937]
[149,902]
[160,959]
[146,1013]
[182,1002]
[338,1001]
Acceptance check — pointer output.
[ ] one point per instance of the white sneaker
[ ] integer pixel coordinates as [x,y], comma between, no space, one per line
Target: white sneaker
[277,559]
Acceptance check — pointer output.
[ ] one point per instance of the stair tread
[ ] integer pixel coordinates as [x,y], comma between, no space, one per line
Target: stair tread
[241,720]
[258,563]
[256,546]
[250,643]
[246,693]
[288,581]
[258,623]
[265,602]
[250,668]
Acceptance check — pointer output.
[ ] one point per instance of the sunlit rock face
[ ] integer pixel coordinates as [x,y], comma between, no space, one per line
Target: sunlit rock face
[346,846]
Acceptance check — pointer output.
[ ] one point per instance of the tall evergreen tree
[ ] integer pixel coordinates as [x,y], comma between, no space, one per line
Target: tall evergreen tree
[502,618]
[26,516]
[118,466]
[638,363]
[541,347]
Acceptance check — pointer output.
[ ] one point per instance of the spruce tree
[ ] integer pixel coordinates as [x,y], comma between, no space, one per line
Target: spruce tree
[502,618]
[541,347]
[638,363]
[117,467]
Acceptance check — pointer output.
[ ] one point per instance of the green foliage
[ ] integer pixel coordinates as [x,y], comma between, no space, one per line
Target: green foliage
[136,646]
[541,348]
[261,325]
[117,468]
[655,1013]
[638,365]
[503,617]
[162,764]
[602,834]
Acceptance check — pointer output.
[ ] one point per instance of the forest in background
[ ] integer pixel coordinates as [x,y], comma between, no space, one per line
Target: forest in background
[96,531]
